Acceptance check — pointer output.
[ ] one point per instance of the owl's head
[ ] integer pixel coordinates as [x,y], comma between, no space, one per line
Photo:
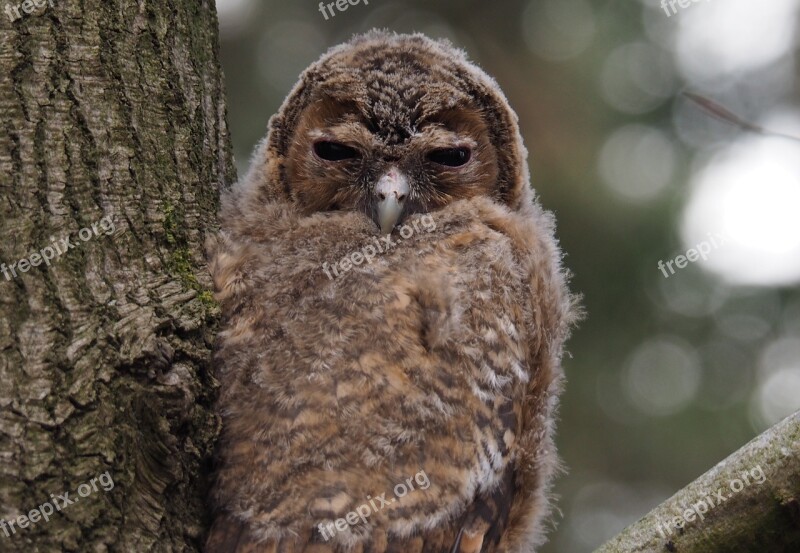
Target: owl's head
[390,125]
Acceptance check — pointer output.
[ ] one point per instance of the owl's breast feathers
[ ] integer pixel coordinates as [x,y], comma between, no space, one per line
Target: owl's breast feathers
[438,357]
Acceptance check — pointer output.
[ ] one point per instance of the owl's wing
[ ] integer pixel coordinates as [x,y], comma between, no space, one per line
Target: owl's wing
[486,518]
[506,344]
[489,344]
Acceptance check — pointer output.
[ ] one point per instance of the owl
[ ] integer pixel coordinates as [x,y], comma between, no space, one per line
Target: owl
[394,314]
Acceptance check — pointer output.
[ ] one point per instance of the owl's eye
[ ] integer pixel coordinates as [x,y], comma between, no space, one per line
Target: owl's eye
[450,157]
[334,151]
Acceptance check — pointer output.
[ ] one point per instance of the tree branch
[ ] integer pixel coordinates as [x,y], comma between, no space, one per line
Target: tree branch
[760,485]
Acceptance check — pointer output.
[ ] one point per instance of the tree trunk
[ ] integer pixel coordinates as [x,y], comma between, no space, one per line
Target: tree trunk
[113,150]
[748,502]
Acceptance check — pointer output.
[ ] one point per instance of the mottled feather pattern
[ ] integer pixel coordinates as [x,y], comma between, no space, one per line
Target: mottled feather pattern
[441,355]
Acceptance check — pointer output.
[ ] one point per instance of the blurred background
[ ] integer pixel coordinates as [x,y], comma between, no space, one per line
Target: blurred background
[667,375]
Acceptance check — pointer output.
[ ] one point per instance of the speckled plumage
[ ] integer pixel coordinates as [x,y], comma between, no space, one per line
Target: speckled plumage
[441,355]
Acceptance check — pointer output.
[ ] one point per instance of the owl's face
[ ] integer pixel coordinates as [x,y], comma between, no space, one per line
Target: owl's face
[390,154]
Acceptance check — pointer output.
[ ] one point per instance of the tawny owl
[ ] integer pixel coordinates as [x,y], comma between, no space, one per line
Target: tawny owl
[394,315]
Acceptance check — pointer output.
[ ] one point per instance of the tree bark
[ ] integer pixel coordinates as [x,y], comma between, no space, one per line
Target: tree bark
[109,109]
[757,514]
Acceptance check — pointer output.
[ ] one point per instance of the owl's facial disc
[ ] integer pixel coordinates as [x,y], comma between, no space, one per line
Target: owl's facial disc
[391,190]
[388,162]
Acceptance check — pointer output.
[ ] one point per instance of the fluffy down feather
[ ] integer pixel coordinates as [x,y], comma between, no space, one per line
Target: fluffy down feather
[441,356]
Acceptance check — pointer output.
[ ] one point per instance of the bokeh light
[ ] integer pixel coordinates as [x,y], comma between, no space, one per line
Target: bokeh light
[662,376]
[717,39]
[749,193]
[602,508]
[778,394]
[637,162]
[637,77]
[234,16]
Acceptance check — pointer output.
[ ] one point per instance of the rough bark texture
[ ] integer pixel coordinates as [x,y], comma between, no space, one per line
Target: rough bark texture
[109,108]
[760,517]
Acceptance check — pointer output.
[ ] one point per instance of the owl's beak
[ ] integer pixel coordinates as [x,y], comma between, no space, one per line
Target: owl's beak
[392,190]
